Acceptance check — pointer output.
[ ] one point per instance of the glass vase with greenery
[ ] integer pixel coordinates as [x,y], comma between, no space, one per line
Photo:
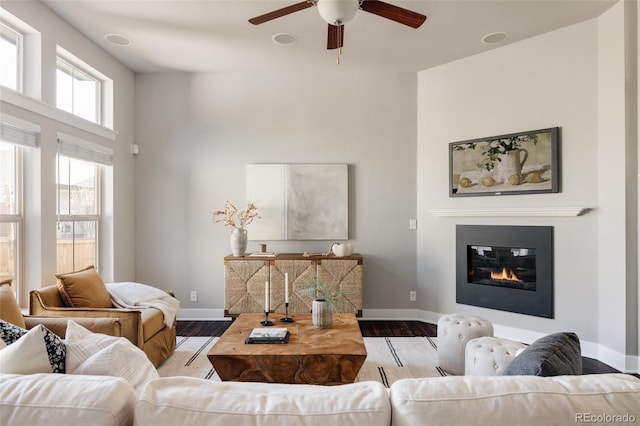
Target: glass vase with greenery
[318,289]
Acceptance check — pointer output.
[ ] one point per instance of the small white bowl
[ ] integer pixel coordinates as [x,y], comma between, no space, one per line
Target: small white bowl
[341,250]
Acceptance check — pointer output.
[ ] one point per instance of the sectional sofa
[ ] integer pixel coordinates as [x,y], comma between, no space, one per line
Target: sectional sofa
[46,399]
[110,381]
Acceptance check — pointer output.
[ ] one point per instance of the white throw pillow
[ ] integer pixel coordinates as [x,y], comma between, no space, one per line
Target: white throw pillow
[27,355]
[102,355]
[82,343]
[120,359]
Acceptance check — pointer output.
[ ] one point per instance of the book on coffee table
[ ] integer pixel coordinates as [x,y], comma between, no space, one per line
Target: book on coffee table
[268,335]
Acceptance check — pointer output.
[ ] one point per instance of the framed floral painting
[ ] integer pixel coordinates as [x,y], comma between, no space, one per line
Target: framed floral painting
[517,163]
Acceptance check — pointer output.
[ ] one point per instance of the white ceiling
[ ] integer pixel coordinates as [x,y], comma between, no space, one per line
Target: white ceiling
[214,35]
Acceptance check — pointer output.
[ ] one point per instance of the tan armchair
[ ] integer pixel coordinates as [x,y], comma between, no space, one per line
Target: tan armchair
[10,312]
[145,328]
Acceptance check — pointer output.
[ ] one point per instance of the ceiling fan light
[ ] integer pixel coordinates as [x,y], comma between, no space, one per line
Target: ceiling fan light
[337,12]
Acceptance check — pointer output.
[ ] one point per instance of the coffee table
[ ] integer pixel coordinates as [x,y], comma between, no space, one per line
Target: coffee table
[313,356]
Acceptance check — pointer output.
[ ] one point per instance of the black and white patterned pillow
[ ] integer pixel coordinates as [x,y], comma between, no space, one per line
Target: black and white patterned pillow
[9,333]
[56,350]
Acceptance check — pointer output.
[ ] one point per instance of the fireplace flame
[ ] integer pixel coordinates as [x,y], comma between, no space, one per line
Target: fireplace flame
[505,275]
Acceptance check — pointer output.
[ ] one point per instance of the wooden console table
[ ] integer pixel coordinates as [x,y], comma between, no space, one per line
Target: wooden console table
[244,278]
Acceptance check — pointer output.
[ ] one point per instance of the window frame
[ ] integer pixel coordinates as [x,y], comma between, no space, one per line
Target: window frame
[17,218]
[73,218]
[20,36]
[76,66]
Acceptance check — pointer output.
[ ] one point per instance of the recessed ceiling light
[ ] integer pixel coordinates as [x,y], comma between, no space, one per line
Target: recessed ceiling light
[284,39]
[493,38]
[117,39]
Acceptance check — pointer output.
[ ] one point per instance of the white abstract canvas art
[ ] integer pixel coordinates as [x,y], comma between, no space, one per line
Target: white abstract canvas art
[299,201]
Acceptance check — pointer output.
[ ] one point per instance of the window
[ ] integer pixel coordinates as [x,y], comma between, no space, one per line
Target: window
[10,57]
[15,139]
[10,212]
[78,213]
[78,92]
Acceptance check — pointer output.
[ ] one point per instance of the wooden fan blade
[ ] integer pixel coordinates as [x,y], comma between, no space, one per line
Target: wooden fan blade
[335,36]
[281,12]
[395,13]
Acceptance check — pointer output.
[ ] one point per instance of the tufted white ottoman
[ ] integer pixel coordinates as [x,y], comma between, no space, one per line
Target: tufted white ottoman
[489,356]
[454,331]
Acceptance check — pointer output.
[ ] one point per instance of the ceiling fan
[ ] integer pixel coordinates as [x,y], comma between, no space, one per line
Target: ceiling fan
[338,12]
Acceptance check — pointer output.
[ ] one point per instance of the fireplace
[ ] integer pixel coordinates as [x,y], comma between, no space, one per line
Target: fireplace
[509,268]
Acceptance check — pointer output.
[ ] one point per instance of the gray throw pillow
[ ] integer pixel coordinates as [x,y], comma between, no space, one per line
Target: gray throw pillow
[557,354]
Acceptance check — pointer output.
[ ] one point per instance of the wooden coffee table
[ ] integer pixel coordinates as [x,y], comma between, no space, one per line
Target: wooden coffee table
[314,356]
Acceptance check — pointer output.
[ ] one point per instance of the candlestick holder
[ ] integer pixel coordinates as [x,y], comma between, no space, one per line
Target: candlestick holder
[286,318]
[266,321]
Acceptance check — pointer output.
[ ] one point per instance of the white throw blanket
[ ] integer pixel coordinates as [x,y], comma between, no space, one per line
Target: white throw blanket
[136,296]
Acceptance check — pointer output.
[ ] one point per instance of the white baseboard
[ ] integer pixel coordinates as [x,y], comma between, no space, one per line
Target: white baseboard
[621,362]
[202,315]
[633,364]
[517,334]
[428,316]
[390,314]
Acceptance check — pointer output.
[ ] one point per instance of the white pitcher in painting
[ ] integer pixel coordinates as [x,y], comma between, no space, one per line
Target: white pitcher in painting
[509,168]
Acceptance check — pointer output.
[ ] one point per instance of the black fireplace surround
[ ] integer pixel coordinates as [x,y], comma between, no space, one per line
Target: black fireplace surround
[509,268]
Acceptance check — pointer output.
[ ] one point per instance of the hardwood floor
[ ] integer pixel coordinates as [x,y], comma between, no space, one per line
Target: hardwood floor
[371,328]
[202,328]
[367,328]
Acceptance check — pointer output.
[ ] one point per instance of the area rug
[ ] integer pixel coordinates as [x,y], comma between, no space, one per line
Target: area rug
[388,359]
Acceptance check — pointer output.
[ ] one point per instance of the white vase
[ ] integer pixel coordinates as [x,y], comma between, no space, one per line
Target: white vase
[238,241]
[509,168]
[321,314]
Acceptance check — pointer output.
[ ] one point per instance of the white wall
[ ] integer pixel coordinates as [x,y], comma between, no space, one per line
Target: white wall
[617,155]
[198,132]
[556,79]
[637,130]
[41,263]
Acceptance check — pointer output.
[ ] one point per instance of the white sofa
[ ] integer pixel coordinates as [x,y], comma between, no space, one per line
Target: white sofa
[515,400]
[46,399]
[69,399]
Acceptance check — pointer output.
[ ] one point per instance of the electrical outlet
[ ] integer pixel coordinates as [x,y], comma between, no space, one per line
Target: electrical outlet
[194,296]
[413,224]
[412,296]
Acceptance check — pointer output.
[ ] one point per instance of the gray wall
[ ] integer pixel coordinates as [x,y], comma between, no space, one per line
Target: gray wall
[198,132]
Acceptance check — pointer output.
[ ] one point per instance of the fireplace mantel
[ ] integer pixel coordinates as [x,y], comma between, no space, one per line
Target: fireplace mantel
[509,211]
